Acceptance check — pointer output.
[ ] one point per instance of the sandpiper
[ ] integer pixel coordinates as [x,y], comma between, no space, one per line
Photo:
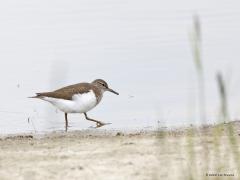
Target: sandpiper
[77,98]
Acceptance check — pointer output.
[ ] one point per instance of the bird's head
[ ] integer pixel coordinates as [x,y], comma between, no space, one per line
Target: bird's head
[103,86]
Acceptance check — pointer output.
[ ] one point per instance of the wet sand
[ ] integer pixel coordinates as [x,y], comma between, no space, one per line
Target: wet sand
[98,154]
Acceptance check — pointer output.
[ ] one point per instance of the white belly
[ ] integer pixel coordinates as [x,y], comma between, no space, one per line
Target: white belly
[80,103]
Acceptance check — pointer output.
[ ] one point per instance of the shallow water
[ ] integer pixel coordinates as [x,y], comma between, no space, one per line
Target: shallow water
[141,48]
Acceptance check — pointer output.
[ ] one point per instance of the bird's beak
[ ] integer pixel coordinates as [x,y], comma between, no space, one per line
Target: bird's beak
[110,90]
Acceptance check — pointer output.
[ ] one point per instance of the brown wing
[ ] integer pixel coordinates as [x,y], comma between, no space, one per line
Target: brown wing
[68,91]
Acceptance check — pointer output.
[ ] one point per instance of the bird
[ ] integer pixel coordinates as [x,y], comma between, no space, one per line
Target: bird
[77,98]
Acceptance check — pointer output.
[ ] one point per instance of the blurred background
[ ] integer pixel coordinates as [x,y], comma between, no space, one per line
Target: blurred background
[141,48]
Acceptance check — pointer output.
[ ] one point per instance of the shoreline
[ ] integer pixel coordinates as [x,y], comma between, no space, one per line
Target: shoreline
[122,131]
[103,154]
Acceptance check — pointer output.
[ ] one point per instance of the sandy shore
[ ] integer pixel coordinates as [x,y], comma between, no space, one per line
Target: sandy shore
[95,154]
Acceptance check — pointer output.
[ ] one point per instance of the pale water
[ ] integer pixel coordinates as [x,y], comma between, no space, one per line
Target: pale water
[141,48]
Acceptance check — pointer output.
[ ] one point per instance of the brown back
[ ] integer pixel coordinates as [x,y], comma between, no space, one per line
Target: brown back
[68,91]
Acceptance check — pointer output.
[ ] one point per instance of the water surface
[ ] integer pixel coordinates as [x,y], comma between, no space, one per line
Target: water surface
[141,48]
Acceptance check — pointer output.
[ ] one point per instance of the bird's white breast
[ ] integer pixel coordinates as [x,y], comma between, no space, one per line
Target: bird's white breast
[80,103]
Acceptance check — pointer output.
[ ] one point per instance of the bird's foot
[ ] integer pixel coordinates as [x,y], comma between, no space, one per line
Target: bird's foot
[66,128]
[100,124]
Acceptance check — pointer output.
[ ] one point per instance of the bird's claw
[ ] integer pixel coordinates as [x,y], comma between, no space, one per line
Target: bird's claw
[100,124]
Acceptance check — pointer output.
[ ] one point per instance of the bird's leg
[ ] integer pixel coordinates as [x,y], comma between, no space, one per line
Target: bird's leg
[99,123]
[66,122]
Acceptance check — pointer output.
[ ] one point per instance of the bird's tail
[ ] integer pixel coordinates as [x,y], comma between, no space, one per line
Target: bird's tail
[38,95]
